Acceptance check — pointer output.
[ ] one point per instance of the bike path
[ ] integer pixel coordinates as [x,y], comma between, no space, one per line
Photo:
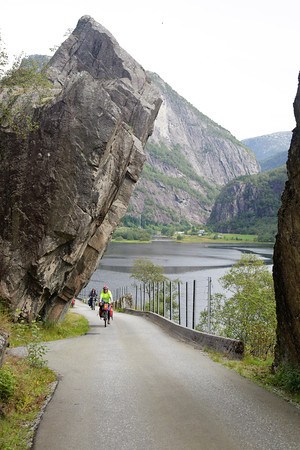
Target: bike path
[131,386]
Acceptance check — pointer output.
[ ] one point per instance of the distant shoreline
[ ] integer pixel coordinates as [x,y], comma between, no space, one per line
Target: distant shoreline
[192,240]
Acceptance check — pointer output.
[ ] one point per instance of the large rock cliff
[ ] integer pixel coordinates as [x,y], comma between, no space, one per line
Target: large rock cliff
[65,186]
[189,158]
[286,269]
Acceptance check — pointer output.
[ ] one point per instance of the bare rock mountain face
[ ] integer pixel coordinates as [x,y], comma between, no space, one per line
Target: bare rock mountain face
[189,159]
[65,187]
[286,269]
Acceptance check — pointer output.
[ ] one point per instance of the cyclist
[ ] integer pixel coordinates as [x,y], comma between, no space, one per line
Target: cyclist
[105,297]
[92,298]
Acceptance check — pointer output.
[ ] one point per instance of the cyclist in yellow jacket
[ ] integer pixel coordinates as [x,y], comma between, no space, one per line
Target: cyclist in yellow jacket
[105,297]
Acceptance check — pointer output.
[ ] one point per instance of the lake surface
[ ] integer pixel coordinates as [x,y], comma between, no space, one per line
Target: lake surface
[186,262]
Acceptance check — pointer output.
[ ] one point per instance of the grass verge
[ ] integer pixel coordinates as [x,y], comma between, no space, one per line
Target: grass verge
[73,325]
[31,386]
[285,382]
[24,387]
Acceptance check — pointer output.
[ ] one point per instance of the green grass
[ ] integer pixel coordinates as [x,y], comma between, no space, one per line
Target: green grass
[213,238]
[32,386]
[73,325]
[128,241]
[24,388]
[221,238]
[285,382]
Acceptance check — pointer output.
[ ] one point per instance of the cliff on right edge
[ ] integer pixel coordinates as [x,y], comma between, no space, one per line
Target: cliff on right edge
[286,269]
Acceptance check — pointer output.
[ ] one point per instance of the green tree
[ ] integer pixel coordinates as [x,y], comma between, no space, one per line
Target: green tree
[249,314]
[145,271]
[3,57]
[148,273]
[132,234]
[158,287]
[212,322]
[24,87]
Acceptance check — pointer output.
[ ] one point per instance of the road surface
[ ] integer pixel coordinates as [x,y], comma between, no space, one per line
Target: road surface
[131,386]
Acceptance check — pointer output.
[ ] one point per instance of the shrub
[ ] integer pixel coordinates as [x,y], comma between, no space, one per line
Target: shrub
[249,314]
[288,378]
[29,334]
[7,384]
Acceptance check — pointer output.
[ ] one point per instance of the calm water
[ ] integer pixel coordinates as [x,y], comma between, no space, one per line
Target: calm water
[186,262]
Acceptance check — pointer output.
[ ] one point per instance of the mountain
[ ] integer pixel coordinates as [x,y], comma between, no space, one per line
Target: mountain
[189,159]
[277,160]
[271,150]
[250,205]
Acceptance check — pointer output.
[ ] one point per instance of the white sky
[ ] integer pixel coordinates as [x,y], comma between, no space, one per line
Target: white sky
[235,60]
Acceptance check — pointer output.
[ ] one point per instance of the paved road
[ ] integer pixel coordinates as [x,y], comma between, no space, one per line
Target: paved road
[131,386]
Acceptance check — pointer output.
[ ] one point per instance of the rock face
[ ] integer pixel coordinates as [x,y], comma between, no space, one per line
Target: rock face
[189,158]
[65,187]
[286,269]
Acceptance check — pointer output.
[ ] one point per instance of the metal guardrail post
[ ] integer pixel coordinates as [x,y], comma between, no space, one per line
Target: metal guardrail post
[186,303]
[141,299]
[153,297]
[194,303]
[164,299]
[179,303]
[171,311]
[209,306]
[136,297]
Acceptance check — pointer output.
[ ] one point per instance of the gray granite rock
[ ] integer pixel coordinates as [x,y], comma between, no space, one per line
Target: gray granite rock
[65,186]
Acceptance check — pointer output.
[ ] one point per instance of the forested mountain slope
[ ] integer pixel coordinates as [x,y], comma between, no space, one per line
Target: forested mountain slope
[250,204]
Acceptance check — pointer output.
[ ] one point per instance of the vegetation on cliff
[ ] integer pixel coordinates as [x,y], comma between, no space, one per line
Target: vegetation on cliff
[250,205]
[24,86]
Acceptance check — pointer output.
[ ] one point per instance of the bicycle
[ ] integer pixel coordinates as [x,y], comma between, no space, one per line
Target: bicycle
[92,302]
[104,312]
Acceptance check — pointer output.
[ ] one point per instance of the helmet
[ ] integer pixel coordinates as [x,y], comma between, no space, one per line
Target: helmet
[105,287]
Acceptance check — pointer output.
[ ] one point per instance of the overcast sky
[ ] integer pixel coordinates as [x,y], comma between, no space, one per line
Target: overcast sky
[237,61]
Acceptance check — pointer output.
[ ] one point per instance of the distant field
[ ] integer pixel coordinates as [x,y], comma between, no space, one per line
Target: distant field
[221,238]
[216,238]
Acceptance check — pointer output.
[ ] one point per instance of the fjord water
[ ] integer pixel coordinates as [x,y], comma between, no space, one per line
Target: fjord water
[186,262]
